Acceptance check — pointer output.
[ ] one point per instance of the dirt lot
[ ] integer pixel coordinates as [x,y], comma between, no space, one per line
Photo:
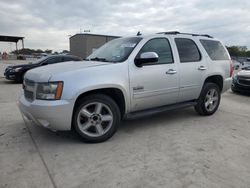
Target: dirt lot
[173,149]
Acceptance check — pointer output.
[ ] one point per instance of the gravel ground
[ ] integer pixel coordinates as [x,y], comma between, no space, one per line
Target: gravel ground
[175,149]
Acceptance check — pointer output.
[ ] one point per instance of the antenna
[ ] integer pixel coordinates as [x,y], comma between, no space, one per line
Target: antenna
[138,33]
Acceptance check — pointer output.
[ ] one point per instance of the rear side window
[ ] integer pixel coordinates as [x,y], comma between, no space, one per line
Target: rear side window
[215,50]
[188,50]
[67,58]
[53,60]
[160,46]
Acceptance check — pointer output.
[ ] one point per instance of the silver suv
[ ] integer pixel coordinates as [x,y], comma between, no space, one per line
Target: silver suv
[128,78]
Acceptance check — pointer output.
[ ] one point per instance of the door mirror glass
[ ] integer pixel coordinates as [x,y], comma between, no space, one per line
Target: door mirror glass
[146,58]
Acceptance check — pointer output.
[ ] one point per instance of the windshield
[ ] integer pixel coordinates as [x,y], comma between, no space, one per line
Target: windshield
[39,60]
[116,50]
[247,68]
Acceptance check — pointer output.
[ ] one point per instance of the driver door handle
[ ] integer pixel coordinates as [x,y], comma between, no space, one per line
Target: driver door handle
[171,71]
[202,68]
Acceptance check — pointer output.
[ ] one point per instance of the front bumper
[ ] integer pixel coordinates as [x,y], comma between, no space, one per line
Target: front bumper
[54,115]
[240,88]
[11,75]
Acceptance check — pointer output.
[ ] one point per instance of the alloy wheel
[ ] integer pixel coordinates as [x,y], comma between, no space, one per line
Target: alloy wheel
[211,100]
[95,119]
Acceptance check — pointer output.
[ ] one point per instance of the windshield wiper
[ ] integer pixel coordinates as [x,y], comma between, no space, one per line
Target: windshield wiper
[99,59]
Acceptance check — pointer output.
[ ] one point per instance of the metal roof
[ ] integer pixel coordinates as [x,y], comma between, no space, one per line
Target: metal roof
[4,38]
[90,34]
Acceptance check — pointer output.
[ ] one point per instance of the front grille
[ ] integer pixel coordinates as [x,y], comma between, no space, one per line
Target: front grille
[244,81]
[29,89]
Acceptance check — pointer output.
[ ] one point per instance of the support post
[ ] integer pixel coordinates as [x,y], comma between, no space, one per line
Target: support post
[16,48]
[22,44]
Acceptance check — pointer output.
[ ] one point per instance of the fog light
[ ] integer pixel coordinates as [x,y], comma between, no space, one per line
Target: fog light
[43,122]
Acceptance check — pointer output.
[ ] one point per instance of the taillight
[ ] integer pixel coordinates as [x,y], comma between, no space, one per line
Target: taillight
[231,69]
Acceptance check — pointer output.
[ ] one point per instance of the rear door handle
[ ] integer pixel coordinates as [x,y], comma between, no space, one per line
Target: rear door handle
[171,71]
[202,68]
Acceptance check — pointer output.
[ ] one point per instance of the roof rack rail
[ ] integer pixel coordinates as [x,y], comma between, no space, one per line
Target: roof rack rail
[177,32]
[169,33]
[194,34]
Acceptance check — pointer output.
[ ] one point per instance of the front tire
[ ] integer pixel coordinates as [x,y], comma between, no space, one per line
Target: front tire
[233,90]
[96,118]
[20,79]
[209,99]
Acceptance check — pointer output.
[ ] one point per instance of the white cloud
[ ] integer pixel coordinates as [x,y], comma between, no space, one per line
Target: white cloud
[46,24]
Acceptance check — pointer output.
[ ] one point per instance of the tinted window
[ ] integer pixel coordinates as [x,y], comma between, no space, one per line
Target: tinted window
[53,60]
[187,49]
[71,59]
[39,60]
[162,47]
[77,59]
[215,50]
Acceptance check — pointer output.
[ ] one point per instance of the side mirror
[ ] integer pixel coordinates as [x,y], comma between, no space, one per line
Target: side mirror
[146,57]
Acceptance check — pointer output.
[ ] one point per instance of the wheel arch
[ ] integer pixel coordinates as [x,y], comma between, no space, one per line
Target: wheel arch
[115,93]
[217,79]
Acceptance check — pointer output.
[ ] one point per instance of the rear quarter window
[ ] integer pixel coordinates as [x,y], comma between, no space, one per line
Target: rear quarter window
[215,50]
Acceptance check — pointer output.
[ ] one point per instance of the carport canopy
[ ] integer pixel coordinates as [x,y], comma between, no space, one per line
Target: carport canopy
[4,38]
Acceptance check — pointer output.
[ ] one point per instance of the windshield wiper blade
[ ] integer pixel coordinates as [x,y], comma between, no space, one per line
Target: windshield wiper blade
[99,59]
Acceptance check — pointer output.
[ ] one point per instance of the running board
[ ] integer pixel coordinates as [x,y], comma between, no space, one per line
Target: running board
[157,110]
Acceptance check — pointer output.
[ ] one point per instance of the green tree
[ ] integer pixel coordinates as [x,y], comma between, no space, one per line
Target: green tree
[48,51]
[39,51]
[248,53]
[65,52]
[238,51]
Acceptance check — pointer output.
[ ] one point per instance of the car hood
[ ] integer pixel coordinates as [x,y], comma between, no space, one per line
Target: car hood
[22,66]
[245,73]
[43,74]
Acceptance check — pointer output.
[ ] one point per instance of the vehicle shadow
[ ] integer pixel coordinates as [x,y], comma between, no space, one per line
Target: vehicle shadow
[241,93]
[4,81]
[168,118]
[131,127]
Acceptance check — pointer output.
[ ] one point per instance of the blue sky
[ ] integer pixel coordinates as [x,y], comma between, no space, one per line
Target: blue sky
[46,24]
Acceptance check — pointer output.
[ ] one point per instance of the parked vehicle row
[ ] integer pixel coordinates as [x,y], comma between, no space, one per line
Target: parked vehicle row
[236,64]
[246,63]
[128,78]
[241,81]
[241,65]
[17,72]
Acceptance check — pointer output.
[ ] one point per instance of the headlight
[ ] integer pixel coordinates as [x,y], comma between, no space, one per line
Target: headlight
[49,91]
[17,69]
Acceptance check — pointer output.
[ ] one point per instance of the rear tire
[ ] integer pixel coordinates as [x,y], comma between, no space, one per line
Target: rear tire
[96,118]
[233,90]
[209,99]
